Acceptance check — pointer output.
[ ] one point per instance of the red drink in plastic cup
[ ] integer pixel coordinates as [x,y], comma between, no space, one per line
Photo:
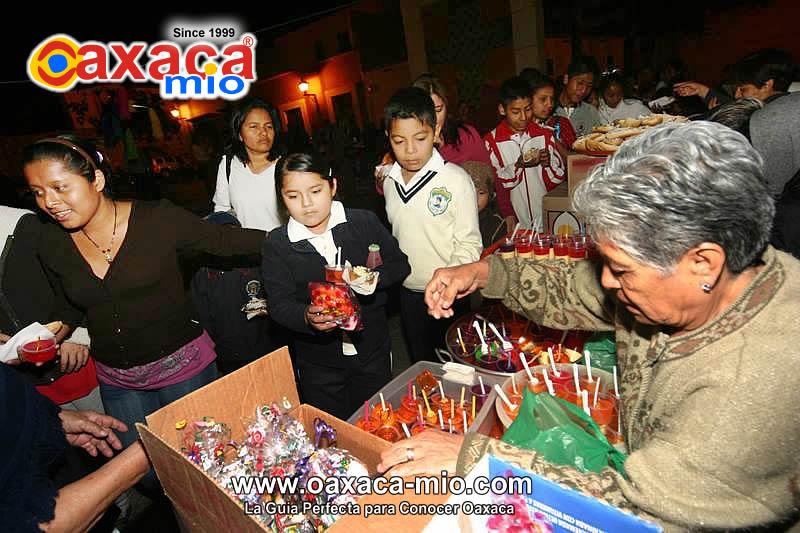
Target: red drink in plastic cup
[561,248]
[333,274]
[39,351]
[523,245]
[538,387]
[541,247]
[577,250]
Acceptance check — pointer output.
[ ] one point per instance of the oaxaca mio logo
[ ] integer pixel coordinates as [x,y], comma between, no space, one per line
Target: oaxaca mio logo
[200,70]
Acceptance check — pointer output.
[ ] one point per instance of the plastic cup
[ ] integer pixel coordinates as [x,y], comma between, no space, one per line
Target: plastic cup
[577,250]
[568,394]
[590,386]
[538,387]
[603,411]
[507,249]
[523,245]
[39,351]
[389,433]
[561,248]
[333,274]
[480,397]
[541,247]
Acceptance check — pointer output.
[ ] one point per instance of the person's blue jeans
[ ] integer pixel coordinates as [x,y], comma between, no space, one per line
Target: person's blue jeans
[132,406]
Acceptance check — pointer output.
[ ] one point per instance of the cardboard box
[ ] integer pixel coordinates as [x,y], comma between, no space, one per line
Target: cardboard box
[203,505]
[557,211]
[579,166]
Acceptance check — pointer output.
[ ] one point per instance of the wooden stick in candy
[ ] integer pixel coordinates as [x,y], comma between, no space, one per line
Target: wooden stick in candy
[585,402]
[414,392]
[450,423]
[464,416]
[575,377]
[441,389]
[480,380]
[427,405]
[383,403]
[461,403]
[527,368]
[514,383]
[473,407]
[405,430]
[441,420]
[452,408]
[514,233]
[616,388]
[461,341]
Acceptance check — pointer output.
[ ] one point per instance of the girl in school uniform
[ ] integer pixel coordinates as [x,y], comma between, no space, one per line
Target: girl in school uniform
[337,369]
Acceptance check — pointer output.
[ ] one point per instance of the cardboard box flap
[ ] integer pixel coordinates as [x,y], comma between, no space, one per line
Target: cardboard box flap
[266,380]
[200,502]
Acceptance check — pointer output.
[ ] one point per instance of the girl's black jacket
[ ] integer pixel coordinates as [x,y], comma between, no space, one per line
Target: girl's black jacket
[288,267]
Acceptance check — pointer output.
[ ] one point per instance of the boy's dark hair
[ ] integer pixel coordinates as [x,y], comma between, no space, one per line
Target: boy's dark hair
[236,147]
[582,65]
[513,89]
[76,153]
[301,162]
[410,102]
[611,79]
[764,65]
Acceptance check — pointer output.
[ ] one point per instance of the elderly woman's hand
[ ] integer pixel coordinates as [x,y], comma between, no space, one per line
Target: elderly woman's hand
[448,284]
[92,431]
[428,452]
[73,356]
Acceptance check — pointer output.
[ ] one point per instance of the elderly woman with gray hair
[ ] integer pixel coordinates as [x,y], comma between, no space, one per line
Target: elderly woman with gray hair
[705,314]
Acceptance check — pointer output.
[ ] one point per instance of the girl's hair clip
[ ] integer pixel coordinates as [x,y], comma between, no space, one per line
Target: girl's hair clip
[330,172]
[99,156]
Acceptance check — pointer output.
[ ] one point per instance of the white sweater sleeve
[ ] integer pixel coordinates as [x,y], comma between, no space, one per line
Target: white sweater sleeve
[222,197]
[467,240]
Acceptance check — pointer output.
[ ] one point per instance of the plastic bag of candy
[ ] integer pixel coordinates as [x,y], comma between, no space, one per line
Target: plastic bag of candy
[204,443]
[339,301]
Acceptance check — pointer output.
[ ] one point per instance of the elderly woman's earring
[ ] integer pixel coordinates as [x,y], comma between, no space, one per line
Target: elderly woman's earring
[706,287]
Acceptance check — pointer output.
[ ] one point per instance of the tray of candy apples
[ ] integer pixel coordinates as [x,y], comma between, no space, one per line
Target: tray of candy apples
[591,389]
[429,403]
[493,338]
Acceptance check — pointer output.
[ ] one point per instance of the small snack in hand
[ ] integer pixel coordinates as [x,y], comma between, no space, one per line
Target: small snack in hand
[530,155]
[54,326]
[358,272]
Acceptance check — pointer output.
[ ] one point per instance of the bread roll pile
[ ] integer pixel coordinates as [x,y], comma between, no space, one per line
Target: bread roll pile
[609,137]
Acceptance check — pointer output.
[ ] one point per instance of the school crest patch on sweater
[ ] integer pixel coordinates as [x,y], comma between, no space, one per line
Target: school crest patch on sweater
[439,200]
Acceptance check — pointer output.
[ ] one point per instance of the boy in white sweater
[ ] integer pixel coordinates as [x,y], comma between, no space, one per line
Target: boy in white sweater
[432,207]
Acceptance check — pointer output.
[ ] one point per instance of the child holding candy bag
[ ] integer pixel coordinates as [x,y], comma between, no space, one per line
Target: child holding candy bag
[337,369]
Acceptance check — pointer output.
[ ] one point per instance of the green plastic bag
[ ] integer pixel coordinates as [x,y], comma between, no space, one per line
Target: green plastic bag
[563,434]
[603,347]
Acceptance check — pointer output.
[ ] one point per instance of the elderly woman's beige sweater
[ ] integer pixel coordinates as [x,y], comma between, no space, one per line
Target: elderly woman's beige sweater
[711,418]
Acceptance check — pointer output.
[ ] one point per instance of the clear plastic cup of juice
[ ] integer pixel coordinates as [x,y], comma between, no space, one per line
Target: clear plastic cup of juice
[523,245]
[577,249]
[541,247]
[561,248]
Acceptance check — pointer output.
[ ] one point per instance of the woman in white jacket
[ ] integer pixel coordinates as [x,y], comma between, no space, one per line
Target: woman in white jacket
[246,174]
[613,105]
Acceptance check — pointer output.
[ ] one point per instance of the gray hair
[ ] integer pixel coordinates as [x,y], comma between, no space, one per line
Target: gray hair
[677,186]
[736,115]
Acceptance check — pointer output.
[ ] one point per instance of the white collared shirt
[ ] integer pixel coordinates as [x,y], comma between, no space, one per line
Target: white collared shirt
[323,244]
